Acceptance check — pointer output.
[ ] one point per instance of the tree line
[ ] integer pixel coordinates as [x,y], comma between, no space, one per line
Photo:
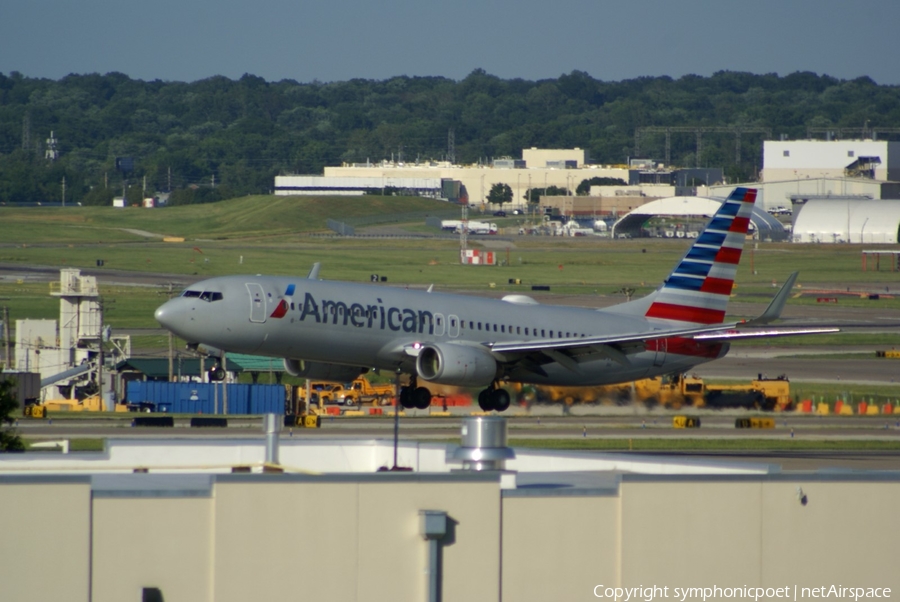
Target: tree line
[220,138]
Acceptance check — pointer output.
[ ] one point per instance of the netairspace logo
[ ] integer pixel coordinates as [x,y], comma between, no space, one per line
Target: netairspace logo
[682,594]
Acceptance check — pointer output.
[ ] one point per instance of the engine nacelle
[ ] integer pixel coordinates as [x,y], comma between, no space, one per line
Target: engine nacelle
[453,364]
[321,371]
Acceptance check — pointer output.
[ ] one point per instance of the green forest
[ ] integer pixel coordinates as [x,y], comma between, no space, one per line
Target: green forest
[221,138]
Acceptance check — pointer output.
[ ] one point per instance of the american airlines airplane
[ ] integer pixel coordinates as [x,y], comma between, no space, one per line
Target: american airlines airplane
[338,330]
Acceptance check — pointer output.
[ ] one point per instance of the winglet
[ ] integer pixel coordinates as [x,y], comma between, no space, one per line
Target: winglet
[773,312]
[314,272]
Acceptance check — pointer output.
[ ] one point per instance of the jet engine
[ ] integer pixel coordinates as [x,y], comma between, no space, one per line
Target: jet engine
[460,365]
[322,371]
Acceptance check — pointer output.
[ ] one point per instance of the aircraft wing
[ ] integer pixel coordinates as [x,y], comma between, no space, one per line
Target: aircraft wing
[718,332]
[619,339]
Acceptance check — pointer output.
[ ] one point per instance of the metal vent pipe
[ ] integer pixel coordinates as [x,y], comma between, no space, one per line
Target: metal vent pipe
[483,444]
[271,428]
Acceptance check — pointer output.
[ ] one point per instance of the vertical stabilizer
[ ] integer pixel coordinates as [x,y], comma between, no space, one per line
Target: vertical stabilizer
[698,289]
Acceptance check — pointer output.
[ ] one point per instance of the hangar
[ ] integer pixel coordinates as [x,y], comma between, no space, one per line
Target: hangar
[854,220]
[631,225]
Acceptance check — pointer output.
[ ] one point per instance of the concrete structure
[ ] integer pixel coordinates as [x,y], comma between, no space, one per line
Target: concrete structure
[66,353]
[800,159]
[556,530]
[836,220]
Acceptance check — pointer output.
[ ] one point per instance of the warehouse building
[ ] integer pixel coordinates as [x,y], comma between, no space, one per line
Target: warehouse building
[553,526]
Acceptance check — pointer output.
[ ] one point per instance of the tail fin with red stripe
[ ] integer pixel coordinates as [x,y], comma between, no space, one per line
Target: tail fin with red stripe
[698,289]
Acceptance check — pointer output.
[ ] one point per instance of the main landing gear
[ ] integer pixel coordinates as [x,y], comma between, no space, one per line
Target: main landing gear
[494,398]
[414,396]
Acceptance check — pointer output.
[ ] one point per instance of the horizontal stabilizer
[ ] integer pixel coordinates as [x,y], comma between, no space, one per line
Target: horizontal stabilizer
[773,312]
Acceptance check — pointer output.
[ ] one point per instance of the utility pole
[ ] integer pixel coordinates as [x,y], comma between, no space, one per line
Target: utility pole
[171,357]
[7,357]
[170,179]
[64,191]
[100,354]
[171,347]
[225,384]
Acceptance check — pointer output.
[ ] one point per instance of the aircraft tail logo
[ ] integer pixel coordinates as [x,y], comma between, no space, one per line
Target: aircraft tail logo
[698,289]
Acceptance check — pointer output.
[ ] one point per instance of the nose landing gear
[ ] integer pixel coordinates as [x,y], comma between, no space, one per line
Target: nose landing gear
[494,398]
[216,373]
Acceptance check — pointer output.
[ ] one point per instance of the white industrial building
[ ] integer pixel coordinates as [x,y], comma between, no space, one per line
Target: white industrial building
[211,519]
[807,159]
[356,185]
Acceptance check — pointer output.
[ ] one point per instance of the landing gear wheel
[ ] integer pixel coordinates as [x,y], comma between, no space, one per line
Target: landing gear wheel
[500,399]
[406,398]
[421,398]
[216,373]
[485,401]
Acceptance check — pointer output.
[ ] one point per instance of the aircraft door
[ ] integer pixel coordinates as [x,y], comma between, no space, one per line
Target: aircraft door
[453,326]
[439,325]
[257,302]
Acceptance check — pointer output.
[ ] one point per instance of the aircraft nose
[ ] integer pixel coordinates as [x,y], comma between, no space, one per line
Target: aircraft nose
[166,315]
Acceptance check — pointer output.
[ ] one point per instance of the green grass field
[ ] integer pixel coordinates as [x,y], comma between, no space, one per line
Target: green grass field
[271,235]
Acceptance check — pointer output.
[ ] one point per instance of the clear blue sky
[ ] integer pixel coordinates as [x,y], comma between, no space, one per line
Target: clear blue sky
[336,40]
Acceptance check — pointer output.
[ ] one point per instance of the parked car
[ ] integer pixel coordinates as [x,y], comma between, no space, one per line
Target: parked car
[499,213]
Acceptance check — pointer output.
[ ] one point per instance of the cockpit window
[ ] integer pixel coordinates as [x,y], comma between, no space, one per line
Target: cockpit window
[207,296]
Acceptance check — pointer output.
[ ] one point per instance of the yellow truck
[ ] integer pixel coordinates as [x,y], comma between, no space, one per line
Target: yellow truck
[89,404]
[674,391]
[352,393]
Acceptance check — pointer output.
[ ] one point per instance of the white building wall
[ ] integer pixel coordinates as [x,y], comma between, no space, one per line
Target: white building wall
[538,157]
[793,159]
[778,194]
[478,180]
